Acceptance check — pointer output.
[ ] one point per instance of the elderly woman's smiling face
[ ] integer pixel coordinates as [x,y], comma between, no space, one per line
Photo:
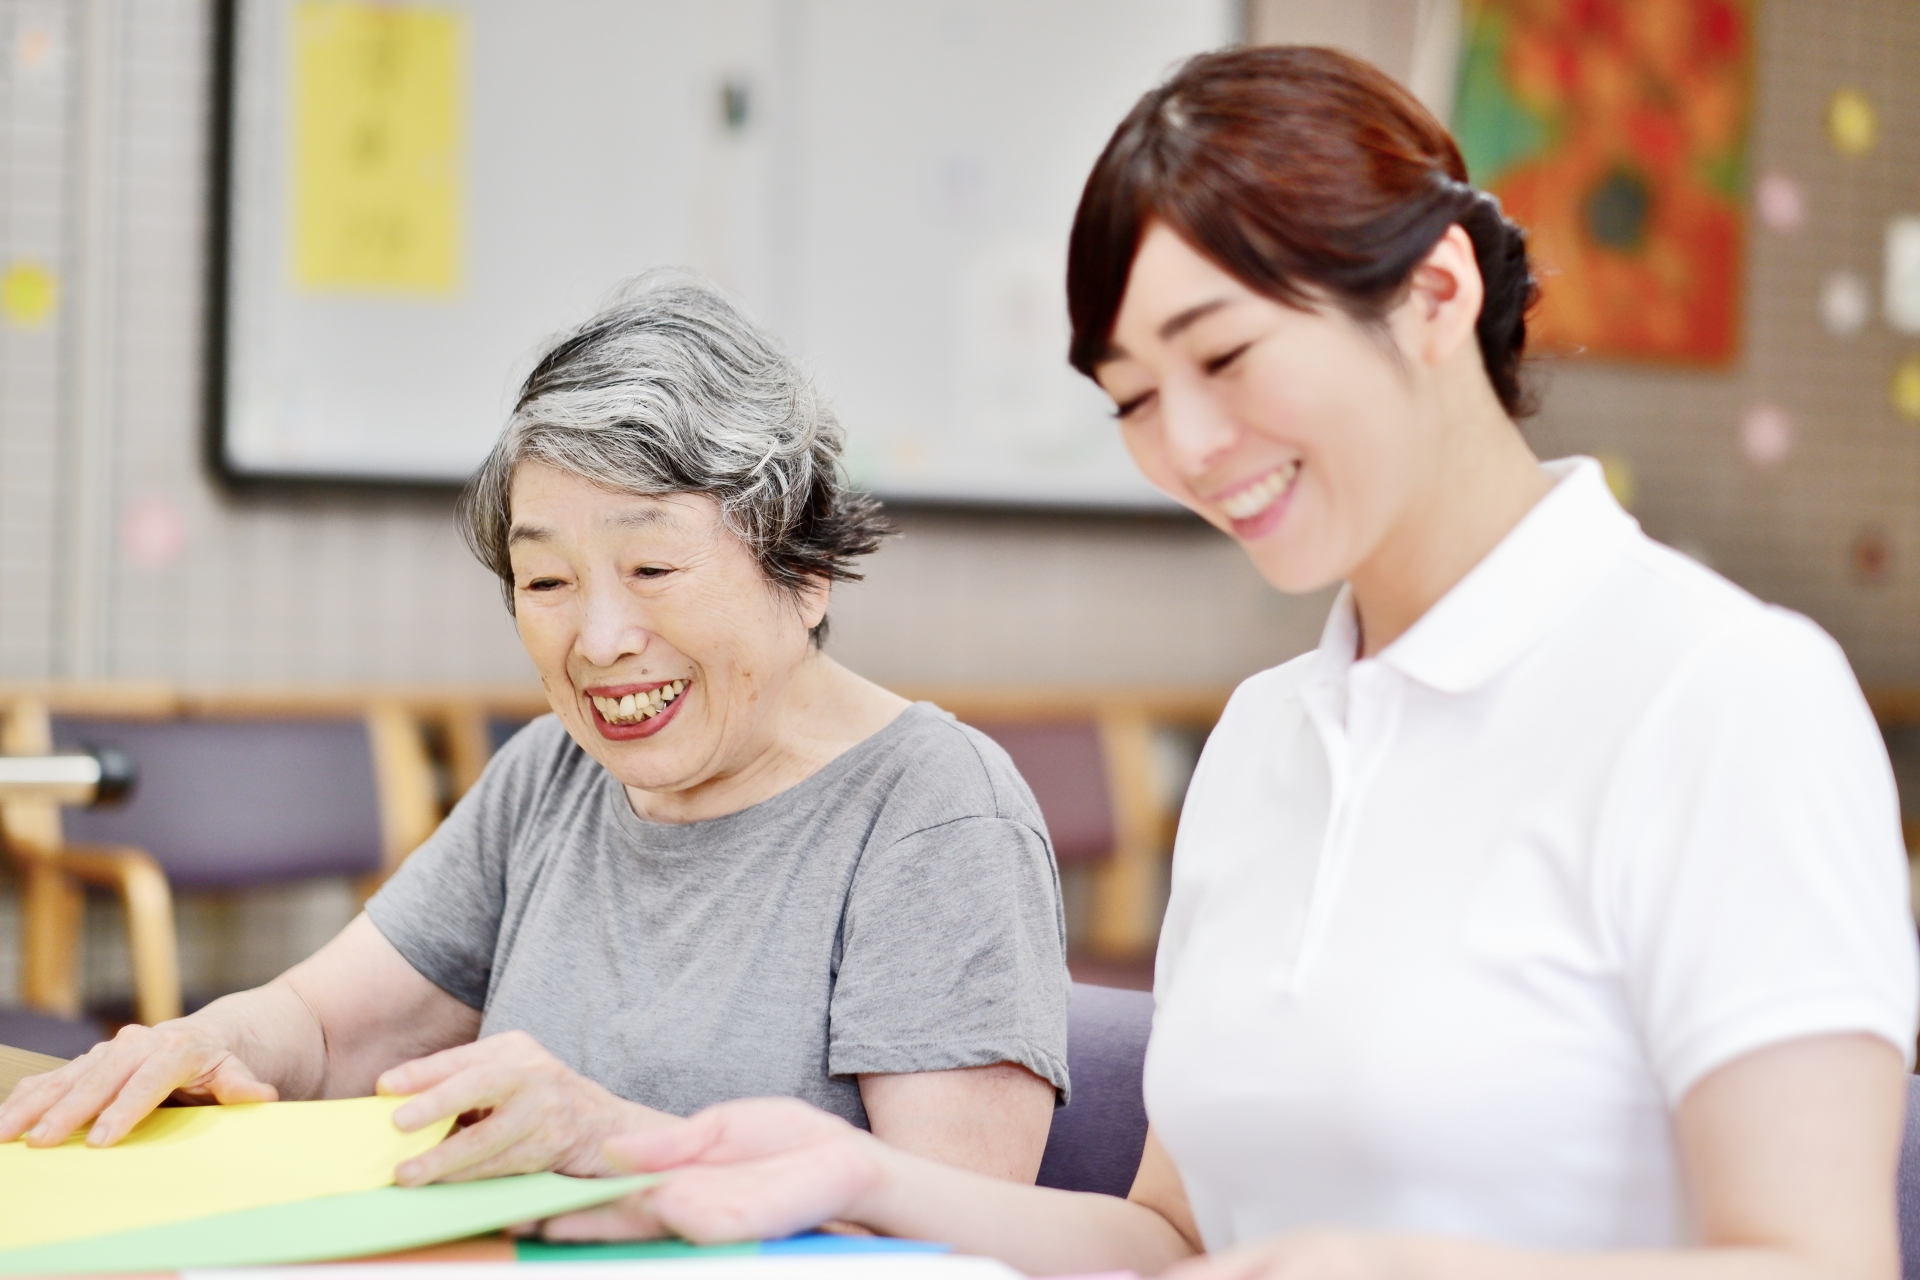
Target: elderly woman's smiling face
[663,646]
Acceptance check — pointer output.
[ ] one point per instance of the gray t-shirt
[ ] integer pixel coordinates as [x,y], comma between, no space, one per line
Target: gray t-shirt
[898,911]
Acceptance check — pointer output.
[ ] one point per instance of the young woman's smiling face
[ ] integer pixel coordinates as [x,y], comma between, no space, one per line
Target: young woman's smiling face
[1298,432]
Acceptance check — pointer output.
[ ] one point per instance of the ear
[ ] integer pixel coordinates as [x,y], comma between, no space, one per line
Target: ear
[811,601]
[1443,300]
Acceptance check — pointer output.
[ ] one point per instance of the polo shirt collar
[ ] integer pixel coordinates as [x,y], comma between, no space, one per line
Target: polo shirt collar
[1507,602]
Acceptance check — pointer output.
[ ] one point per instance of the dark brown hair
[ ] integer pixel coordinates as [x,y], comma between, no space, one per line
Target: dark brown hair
[1306,174]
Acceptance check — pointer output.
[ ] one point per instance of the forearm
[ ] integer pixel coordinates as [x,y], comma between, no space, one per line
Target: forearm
[1329,1252]
[1463,1260]
[1040,1230]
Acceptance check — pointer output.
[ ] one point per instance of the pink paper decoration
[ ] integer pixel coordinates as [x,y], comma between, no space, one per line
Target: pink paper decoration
[153,533]
[1766,435]
[1871,556]
[1780,201]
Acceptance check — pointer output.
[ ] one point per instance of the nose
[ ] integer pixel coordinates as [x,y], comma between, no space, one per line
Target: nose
[1196,427]
[611,625]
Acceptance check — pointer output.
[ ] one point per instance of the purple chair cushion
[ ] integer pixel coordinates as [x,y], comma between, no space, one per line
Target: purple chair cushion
[44,1033]
[1910,1185]
[225,803]
[1065,765]
[1096,1140]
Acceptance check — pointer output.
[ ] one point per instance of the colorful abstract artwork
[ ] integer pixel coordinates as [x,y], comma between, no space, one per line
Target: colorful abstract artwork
[1615,131]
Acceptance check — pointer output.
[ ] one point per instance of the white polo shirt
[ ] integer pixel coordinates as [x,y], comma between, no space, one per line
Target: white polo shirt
[1455,928]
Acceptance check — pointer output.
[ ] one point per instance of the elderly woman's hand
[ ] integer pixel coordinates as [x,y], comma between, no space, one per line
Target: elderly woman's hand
[115,1084]
[523,1111]
[754,1169]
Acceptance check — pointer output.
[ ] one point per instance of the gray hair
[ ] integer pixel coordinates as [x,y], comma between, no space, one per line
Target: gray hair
[671,388]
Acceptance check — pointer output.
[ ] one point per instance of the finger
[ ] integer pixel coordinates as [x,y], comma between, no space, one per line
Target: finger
[233,1082]
[473,1089]
[30,1098]
[97,1082]
[1241,1264]
[458,1151]
[421,1074]
[154,1080]
[667,1147]
[625,1219]
[753,1200]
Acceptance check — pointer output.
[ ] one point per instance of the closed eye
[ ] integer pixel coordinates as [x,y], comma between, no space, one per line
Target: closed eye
[1221,362]
[1126,408]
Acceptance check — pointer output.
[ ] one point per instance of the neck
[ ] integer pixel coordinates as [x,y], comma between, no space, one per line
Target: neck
[822,710]
[1485,481]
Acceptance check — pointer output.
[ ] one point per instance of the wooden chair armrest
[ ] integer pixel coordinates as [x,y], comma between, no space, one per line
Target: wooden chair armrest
[148,900]
[409,799]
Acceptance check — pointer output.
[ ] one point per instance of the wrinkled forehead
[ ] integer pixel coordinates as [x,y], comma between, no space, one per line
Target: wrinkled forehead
[542,497]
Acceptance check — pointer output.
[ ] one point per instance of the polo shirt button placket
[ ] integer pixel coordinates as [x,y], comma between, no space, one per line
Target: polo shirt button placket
[1354,754]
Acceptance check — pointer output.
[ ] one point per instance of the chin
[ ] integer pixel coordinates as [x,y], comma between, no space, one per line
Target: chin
[1295,575]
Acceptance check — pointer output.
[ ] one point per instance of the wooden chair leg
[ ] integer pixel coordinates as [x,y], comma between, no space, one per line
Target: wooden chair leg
[469,746]
[51,908]
[1125,923]
[409,805]
[50,903]
[152,942]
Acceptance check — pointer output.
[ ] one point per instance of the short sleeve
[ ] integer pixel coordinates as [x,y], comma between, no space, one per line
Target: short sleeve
[953,955]
[1752,859]
[442,909]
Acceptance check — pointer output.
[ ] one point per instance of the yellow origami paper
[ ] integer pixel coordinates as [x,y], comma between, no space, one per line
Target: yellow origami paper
[182,1163]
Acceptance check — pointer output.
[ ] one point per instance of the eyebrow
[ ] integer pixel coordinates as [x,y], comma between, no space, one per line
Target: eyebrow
[1172,329]
[1186,319]
[643,518]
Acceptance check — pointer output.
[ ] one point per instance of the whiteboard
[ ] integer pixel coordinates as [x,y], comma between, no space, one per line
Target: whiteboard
[888,185]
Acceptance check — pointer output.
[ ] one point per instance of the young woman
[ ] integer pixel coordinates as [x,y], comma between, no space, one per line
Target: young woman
[1550,919]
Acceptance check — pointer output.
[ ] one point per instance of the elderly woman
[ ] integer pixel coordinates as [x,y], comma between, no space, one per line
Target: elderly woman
[726,866]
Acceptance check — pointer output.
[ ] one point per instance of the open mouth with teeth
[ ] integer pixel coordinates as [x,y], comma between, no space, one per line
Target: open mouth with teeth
[1257,507]
[637,712]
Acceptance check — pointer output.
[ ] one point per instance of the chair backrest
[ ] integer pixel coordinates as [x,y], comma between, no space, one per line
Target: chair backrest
[1065,763]
[45,1033]
[229,802]
[501,728]
[1097,1138]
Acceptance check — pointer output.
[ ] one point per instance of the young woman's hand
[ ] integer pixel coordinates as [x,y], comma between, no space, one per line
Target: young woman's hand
[755,1169]
[116,1083]
[524,1110]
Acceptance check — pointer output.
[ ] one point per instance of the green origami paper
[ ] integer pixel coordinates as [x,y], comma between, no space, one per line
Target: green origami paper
[346,1226]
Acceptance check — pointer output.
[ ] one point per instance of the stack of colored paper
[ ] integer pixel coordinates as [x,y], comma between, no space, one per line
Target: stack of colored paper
[253,1185]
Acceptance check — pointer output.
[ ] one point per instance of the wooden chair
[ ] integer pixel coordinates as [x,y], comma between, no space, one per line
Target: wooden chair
[473,723]
[52,873]
[236,788]
[1897,709]
[1088,755]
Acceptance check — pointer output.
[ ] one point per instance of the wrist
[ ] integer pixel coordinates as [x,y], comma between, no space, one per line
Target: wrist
[879,1179]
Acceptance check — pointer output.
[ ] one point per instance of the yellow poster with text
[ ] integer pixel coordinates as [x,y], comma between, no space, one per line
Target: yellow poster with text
[377,147]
